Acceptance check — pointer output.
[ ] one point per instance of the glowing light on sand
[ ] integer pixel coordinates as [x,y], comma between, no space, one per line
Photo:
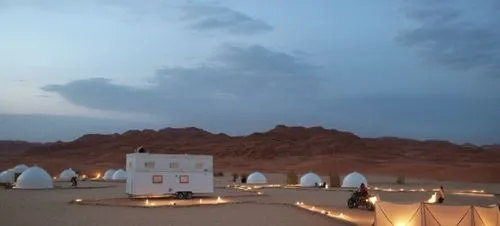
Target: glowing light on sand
[259,193]
[477,194]
[78,200]
[219,199]
[433,198]
[373,199]
[172,203]
[146,202]
[400,224]
[201,201]
[323,212]
[401,189]
[97,176]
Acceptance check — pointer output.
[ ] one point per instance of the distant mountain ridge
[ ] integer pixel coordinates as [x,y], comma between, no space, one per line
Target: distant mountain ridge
[282,147]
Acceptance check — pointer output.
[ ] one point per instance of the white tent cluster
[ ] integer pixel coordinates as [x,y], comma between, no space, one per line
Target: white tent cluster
[9,176]
[354,180]
[119,175]
[108,175]
[34,178]
[112,174]
[256,178]
[67,174]
[423,214]
[310,180]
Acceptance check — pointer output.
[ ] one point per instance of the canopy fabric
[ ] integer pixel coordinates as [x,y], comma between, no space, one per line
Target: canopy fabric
[424,214]
[354,180]
[108,175]
[256,178]
[34,178]
[310,179]
[120,175]
[67,174]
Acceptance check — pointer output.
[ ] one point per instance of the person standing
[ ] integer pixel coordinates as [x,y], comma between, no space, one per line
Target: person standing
[441,195]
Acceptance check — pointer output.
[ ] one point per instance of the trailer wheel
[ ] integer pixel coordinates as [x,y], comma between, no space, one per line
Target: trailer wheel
[179,195]
[189,195]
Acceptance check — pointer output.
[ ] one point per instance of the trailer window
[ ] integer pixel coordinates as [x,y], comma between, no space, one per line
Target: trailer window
[157,179]
[174,165]
[184,179]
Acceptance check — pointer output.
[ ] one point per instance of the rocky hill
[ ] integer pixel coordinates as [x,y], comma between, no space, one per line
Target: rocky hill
[281,149]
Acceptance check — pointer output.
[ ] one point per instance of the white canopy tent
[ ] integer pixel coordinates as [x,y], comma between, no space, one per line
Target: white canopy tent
[256,178]
[310,180]
[108,175]
[120,175]
[20,168]
[354,180]
[34,178]
[8,176]
[67,174]
[423,214]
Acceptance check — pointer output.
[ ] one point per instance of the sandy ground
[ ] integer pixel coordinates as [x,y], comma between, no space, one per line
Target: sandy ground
[51,207]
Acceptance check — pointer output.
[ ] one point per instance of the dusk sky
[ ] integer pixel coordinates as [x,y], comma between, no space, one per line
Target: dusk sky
[424,69]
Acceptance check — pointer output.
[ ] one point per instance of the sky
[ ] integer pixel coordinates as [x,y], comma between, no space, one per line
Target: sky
[423,69]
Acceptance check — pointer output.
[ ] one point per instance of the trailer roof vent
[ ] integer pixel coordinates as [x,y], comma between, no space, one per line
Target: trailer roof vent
[141,149]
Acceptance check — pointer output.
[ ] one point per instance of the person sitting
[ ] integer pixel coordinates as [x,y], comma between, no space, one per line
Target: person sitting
[363,190]
[441,195]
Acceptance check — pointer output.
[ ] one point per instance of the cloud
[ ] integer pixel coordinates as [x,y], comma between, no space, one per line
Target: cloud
[236,83]
[204,17]
[48,128]
[459,35]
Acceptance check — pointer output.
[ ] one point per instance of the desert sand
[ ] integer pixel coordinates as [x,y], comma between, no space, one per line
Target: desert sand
[273,207]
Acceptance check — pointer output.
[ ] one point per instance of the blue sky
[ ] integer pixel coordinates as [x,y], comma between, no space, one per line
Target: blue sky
[423,69]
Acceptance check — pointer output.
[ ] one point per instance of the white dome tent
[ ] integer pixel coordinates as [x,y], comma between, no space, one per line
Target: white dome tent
[67,174]
[120,175]
[108,175]
[20,168]
[256,178]
[354,180]
[310,180]
[8,176]
[34,178]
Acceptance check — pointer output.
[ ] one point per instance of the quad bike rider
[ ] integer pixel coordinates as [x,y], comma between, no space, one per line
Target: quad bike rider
[360,198]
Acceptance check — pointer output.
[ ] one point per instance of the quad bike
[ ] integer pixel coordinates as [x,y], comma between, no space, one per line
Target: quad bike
[356,201]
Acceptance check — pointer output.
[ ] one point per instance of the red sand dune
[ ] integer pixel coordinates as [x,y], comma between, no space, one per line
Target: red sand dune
[280,149]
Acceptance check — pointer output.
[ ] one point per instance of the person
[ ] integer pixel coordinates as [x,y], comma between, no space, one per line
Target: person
[441,195]
[363,190]
[74,181]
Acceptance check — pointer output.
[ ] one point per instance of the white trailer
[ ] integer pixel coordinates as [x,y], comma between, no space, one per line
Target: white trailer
[154,175]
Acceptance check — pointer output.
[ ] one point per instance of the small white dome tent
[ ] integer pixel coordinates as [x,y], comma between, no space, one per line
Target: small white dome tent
[20,168]
[108,175]
[354,180]
[310,180]
[34,178]
[256,178]
[8,176]
[67,174]
[120,175]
